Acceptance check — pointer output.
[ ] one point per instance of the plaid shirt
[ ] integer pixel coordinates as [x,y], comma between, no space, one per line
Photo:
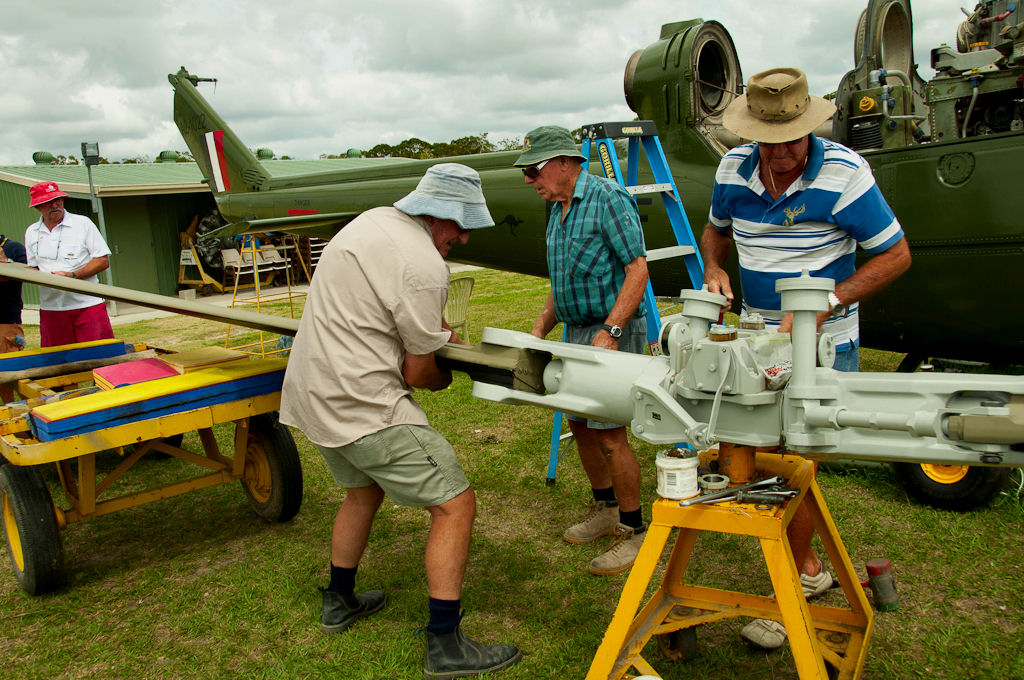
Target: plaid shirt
[589,249]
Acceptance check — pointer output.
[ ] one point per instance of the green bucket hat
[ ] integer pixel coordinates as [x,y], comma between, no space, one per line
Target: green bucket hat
[549,141]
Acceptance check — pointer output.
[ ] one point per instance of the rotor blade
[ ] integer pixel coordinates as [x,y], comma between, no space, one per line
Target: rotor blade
[324,225]
[238,317]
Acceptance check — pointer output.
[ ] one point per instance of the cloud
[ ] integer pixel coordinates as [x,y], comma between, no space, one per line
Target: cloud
[322,76]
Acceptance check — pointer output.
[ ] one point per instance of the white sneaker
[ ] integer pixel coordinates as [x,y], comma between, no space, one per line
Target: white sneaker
[768,634]
[764,633]
[815,586]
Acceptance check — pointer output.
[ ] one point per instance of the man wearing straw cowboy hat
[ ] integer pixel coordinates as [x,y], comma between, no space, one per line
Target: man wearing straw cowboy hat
[791,201]
[372,322]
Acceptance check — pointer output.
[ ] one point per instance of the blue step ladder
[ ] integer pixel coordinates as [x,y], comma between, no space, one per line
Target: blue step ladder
[638,133]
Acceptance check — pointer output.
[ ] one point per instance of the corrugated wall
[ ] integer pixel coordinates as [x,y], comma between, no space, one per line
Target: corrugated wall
[142,232]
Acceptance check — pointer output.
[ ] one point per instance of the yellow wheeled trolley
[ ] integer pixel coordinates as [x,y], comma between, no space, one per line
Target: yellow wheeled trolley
[818,635]
[66,420]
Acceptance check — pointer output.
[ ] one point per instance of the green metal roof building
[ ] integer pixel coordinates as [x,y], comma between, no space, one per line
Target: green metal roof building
[144,206]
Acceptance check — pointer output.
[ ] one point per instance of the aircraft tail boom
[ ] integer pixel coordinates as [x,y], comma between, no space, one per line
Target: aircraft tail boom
[226,163]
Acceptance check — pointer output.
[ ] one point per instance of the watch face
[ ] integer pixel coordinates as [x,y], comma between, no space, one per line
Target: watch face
[615,331]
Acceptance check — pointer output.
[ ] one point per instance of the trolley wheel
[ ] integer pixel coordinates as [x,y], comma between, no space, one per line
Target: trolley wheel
[30,525]
[951,487]
[679,645]
[272,478]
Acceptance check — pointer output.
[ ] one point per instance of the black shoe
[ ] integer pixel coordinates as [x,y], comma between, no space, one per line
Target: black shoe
[453,655]
[342,610]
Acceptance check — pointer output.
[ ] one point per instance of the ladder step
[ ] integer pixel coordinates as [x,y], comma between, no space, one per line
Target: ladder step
[669,252]
[649,188]
[633,128]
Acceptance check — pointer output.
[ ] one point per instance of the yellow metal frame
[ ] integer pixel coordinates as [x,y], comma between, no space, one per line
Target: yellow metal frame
[258,300]
[816,633]
[79,481]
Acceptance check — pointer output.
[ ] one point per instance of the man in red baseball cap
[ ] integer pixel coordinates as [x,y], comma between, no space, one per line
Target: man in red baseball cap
[66,244]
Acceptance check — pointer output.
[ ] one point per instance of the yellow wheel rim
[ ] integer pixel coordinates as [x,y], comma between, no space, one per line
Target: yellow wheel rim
[945,474]
[13,538]
[257,471]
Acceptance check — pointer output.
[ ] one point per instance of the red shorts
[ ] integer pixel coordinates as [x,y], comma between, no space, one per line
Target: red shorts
[74,325]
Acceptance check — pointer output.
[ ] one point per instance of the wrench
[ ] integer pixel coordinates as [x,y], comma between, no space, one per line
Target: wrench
[778,479]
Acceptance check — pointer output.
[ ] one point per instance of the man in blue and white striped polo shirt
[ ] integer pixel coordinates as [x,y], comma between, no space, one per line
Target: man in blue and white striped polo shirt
[791,201]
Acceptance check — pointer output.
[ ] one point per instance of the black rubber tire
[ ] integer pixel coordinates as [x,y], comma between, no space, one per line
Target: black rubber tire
[977,487]
[272,479]
[678,645]
[30,528]
[960,488]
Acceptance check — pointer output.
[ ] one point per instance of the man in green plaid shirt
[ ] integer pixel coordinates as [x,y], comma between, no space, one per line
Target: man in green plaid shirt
[598,267]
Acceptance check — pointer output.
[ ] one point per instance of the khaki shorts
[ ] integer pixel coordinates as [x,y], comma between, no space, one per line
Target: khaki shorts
[413,464]
[633,340]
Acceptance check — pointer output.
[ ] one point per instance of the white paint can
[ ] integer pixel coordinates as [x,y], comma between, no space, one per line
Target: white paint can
[677,473]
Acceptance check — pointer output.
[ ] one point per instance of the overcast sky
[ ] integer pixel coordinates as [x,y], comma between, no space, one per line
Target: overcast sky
[321,76]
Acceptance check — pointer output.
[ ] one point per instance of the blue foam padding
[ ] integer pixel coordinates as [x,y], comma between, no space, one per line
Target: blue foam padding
[220,393]
[24,361]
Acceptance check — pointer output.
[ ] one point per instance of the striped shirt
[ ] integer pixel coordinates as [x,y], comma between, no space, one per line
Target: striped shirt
[589,249]
[815,225]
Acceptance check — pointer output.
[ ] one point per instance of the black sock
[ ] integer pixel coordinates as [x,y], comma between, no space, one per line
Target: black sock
[633,518]
[343,579]
[606,495]
[444,615]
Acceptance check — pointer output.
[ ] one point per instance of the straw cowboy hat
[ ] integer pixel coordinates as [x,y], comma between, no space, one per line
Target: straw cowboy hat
[776,108]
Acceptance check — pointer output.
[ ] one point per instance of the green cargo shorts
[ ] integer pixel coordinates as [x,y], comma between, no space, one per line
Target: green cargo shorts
[413,464]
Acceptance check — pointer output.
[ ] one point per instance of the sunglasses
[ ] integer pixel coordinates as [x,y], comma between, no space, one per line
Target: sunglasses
[533,172]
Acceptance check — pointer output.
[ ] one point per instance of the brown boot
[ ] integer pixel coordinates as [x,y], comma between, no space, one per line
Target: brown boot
[622,554]
[601,520]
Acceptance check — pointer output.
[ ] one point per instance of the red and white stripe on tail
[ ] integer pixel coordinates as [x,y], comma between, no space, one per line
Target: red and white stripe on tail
[218,164]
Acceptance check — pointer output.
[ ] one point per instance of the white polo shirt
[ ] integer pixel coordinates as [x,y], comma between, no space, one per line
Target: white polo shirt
[67,247]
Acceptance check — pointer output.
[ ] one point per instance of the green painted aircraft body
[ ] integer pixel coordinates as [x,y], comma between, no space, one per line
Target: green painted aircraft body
[948,155]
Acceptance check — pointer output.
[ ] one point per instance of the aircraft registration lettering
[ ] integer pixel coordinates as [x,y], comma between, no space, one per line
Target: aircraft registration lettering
[192,124]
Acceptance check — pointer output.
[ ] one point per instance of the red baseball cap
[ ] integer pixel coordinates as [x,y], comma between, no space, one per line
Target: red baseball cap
[44,192]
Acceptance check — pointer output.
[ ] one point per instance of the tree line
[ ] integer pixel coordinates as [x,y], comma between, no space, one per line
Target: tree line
[413,147]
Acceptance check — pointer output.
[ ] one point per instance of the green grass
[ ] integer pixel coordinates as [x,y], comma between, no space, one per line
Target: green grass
[198,587]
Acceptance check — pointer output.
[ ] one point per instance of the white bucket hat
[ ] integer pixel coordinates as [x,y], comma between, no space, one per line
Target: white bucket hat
[449,191]
[777,108]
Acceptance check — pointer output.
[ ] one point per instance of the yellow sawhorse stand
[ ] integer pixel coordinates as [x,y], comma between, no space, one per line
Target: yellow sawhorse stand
[816,633]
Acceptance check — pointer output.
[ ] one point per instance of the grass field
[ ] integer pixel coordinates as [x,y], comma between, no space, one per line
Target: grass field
[198,587]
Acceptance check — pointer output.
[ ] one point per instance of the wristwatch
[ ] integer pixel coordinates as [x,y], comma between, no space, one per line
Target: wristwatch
[614,331]
[835,307]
